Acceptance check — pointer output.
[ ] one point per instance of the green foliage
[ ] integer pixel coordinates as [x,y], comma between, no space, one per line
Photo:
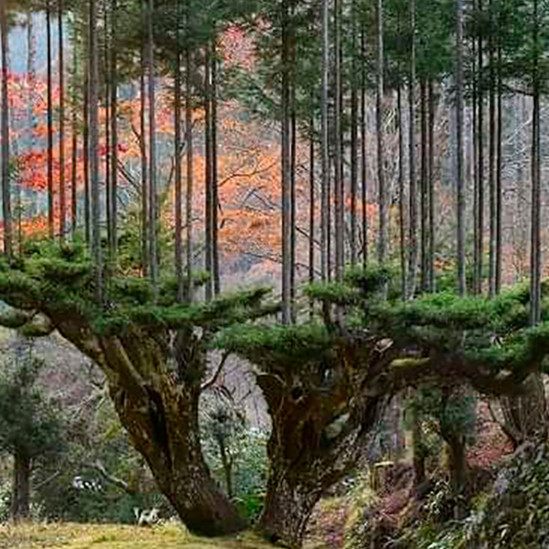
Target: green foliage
[284,345]
[29,424]
[233,448]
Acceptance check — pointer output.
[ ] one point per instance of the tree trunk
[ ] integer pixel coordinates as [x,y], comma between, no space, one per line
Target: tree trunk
[325,152]
[382,196]
[339,195]
[535,243]
[479,241]
[215,190]
[412,225]
[286,170]
[401,195]
[162,422]
[363,160]
[20,503]
[424,191]
[153,210]
[354,141]
[499,169]
[143,146]
[62,194]
[74,146]
[190,173]
[312,206]
[114,130]
[86,153]
[460,183]
[156,390]
[431,186]
[178,168]
[97,254]
[208,205]
[5,134]
[49,94]
[291,498]
[320,428]
[491,163]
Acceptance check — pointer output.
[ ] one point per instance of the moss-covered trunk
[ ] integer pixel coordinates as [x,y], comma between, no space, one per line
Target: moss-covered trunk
[155,384]
[163,426]
[322,419]
[291,497]
[20,503]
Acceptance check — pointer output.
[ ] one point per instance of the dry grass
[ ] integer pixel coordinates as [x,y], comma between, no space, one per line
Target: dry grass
[88,536]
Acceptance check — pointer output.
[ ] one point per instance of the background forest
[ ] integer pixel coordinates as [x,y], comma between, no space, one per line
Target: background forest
[277,265]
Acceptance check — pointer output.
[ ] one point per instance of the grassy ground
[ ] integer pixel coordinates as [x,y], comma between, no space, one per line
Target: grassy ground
[87,536]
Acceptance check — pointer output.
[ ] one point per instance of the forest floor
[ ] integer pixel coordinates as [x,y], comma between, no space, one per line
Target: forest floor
[102,536]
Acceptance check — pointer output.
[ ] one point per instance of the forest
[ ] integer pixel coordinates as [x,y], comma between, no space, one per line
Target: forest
[273,273]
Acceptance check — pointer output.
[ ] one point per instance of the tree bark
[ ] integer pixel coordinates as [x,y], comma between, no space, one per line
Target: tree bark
[382,196]
[325,152]
[62,193]
[177,165]
[49,94]
[460,183]
[153,209]
[163,425]
[114,130]
[97,253]
[401,196]
[320,426]
[5,134]
[424,190]
[412,225]
[190,172]
[286,169]
[339,195]
[20,503]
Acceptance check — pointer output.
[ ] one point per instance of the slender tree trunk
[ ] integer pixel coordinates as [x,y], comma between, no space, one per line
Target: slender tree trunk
[354,140]
[491,162]
[286,170]
[74,145]
[62,190]
[5,134]
[293,164]
[114,130]
[413,214]
[382,197]
[86,153]
[143,144]
[107,129]
[153,213]
[215,193]
[190,174]
[401,195]
[97,253]
[431,187]
[325,152]
[363,159]
[499,168]
[338,153]
[424,191]
[177,165]
[535,244]
[20,504]
[479,244]
[460,183]
[49,93]
[312,206]
[208,205]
